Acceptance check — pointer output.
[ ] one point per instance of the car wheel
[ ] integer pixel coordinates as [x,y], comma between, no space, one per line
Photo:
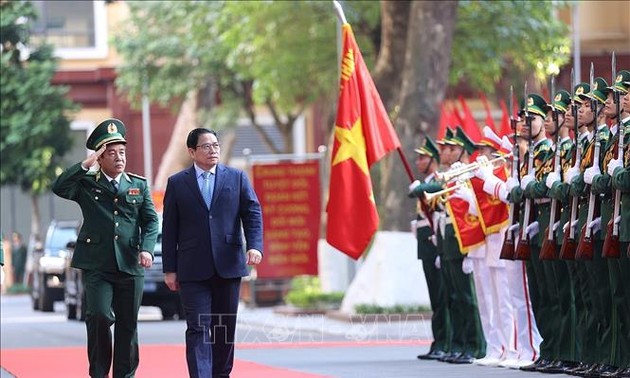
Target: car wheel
[34,297]
[172,311]
[46,303]
[71,311]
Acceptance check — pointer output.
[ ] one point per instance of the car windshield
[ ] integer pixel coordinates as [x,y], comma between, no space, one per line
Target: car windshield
[59,239]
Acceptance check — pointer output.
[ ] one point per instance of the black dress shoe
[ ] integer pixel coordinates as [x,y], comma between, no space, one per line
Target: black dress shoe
[582,367]
[558,367]
[450,356]
[432,355]
[615,374]
[602,369]
[464,358]
[587,371]
[539,363]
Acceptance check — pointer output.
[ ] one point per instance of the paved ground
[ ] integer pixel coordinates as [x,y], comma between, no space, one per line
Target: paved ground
[299,346]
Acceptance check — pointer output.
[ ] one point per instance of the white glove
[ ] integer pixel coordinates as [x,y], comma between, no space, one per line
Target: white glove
[614,164]
[467,265]
[526,180]
[552,178]
[484,172]
[413,226]
[595,225]
[482,160]
[532,229]
[466,194]
[589,173]
[433,239]
[437,263]
[510,184]
[618,219]
[414,185]
[571,173]
[456,165]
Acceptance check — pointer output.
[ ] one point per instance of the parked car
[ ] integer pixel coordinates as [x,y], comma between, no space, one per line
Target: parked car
[155,293]
[48,265]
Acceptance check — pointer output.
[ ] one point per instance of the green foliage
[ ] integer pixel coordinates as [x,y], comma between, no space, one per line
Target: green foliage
[368,309]
[306,293]
[34,114]
[279,53]
[494,39]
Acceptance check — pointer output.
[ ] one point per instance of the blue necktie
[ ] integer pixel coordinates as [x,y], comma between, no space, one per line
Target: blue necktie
[115,185]
[207,187]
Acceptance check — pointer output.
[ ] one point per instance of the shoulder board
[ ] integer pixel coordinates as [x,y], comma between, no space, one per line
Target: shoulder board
[136,176]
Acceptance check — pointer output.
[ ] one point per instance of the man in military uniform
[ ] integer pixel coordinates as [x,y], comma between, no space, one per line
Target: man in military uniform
[619,169]
[427,162]
[566,349]
[592,274]
[114,245]
[533,188]
[602,184]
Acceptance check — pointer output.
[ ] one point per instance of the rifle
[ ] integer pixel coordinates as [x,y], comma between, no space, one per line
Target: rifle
[549,249]
[611,242]
[507,249]
[523,250]
[585,246]
[569,241]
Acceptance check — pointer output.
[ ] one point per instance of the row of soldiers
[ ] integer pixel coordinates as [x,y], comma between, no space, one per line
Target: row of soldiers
[545,288]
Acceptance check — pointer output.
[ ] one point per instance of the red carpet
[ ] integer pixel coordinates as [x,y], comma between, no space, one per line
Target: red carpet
[155,361]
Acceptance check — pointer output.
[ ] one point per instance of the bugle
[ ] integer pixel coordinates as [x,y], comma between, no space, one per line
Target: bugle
[453,174]
[429,197]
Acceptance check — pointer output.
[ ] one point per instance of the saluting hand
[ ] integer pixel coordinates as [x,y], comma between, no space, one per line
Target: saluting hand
[91,160]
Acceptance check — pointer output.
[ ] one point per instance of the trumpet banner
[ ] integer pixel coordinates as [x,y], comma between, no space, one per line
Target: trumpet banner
[468,229]
[494,214]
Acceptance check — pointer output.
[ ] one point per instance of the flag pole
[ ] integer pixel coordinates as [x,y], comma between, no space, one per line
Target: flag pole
[342,19]
[340,14]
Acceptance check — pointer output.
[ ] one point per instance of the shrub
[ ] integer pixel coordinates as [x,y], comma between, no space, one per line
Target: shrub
[306,293]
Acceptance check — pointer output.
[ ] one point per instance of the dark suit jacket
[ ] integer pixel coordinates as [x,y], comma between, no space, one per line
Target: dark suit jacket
[116,226]
[197,242]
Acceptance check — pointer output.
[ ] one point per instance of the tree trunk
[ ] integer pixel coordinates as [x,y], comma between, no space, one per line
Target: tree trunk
[424,81]
[391,58]
[175,158]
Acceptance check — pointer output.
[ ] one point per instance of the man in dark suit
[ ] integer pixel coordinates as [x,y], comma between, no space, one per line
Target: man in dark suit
[206,209]
[114,245]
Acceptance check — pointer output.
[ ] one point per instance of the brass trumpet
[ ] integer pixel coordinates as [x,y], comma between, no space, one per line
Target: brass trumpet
[441,195]
[454,174]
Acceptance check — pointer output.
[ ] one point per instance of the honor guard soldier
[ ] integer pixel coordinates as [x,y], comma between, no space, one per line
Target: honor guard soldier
[427,162]
[613,222]
[532,191]
[114,246]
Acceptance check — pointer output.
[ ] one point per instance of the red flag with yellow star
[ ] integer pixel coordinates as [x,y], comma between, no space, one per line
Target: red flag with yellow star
[363,135]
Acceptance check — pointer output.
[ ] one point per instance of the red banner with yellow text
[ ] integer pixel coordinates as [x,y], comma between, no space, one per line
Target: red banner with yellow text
[289,194]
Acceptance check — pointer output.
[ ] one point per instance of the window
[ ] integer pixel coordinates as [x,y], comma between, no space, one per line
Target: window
[77,29]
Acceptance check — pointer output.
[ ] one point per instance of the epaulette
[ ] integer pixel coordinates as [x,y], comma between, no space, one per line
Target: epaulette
[136,176]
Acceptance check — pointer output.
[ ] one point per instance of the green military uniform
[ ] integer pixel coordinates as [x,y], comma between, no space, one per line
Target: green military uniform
[427,252]
[117,226]
[540,285]
[562,348]
[619,269]
[468,339]
[593,275]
